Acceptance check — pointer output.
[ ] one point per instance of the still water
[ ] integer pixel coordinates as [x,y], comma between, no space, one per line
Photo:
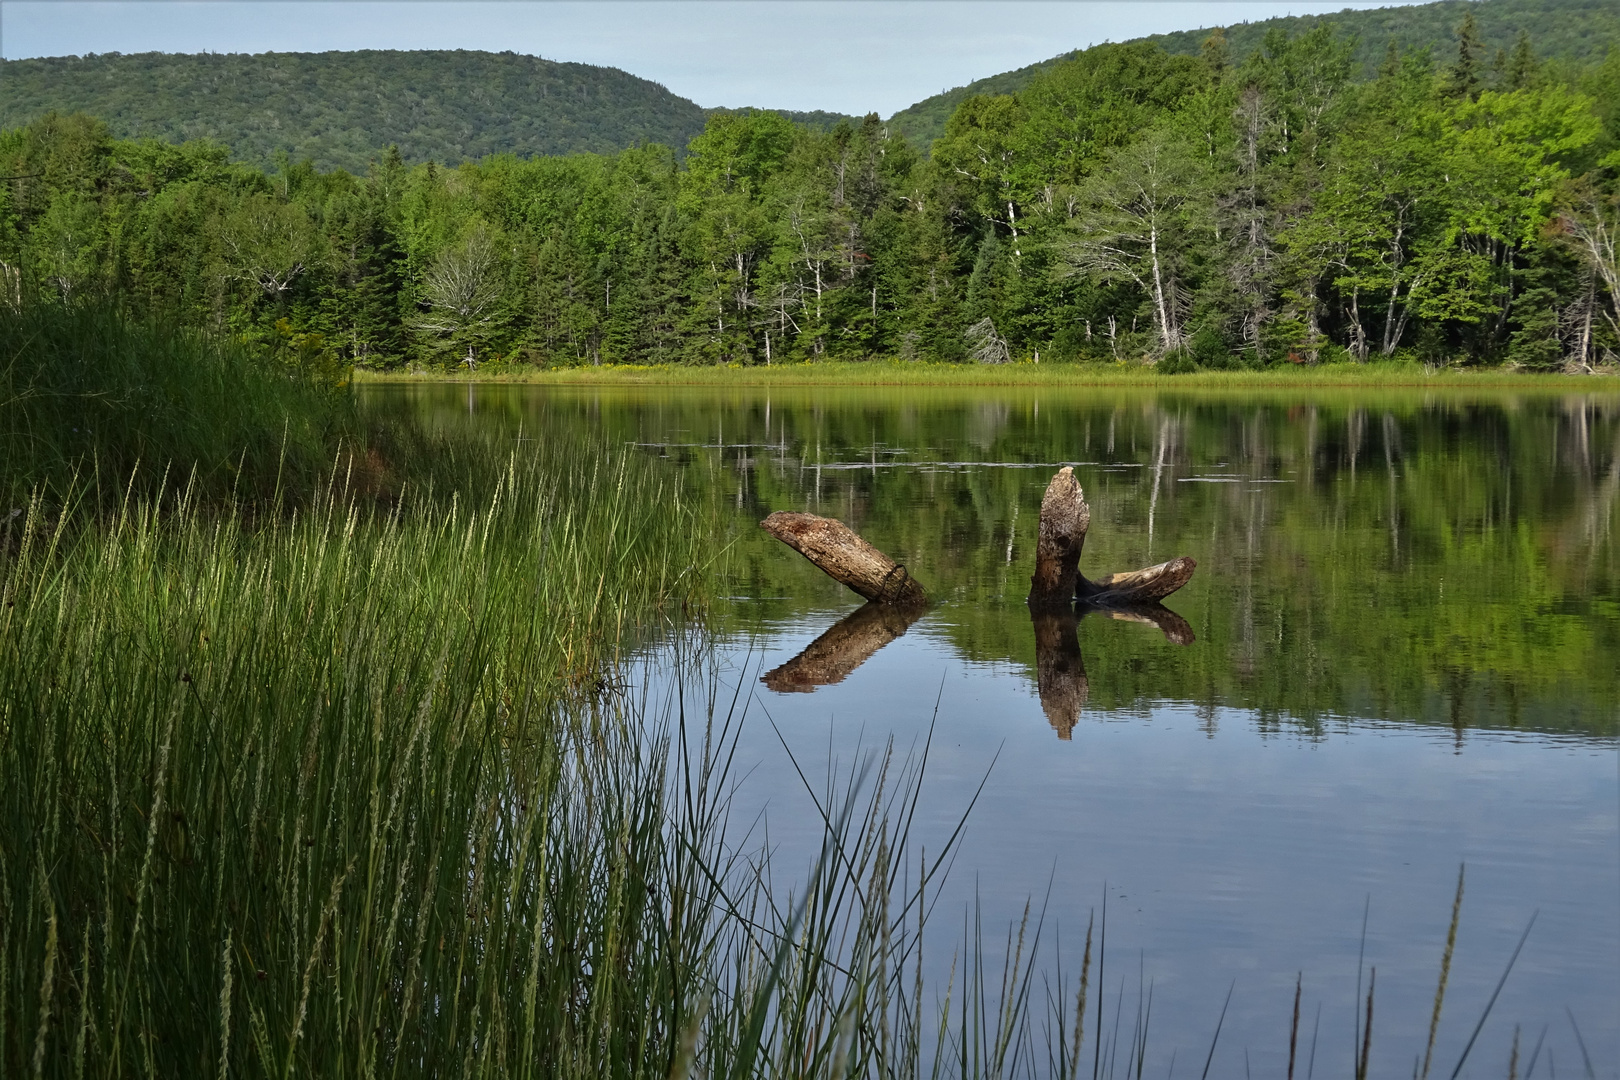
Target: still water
[1400,655]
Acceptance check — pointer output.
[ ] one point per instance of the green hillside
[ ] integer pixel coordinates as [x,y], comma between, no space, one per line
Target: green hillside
[340,108]
[1560,29]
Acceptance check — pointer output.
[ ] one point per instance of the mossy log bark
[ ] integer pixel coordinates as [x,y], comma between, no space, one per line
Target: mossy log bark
[838,551]
[1057,581]
[845,646]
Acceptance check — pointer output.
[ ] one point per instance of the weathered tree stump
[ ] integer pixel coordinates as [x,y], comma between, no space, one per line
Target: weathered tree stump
[838,551]
[845,646]
[1065,519]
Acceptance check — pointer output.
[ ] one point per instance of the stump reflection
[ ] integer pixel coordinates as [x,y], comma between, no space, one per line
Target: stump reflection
[847,645]
[1060,669]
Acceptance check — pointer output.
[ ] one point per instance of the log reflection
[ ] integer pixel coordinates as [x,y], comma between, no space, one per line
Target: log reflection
[847,645]
[1175,629]
[1060,669]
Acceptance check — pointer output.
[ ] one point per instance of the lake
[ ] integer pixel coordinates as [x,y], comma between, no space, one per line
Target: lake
[1399,655]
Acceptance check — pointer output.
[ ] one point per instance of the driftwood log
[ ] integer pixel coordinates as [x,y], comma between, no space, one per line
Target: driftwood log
[1057,581]
[847,645]
[838,551]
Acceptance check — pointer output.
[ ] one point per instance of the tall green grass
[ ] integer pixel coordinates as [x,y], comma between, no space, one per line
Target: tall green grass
[90,391]
[340,793]
[354,792]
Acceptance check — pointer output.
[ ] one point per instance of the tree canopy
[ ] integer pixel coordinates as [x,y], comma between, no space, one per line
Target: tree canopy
[338,108]
[1129,205]
[1570,30]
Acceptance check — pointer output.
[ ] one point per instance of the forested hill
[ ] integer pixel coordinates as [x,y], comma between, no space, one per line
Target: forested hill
[1580,30]
[1127,206]
[340,108]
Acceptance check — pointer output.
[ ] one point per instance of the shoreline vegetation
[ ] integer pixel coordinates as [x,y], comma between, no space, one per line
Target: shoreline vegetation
[1055,376]
[317,752]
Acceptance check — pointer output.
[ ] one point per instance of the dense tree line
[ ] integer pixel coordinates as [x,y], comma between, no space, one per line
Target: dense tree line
[1567,30]
[337,108]
[1128,204]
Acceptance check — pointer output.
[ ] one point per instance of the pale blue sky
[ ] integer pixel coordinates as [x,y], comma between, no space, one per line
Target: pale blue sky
[852,56]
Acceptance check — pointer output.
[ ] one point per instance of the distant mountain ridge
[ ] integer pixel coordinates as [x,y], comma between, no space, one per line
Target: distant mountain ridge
[341,108]
[1562,29]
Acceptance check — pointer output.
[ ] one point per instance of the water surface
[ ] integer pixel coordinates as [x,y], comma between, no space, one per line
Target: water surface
[1399,654]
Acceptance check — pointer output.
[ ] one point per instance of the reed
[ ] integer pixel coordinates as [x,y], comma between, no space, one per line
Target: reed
[89,392]
[341,791]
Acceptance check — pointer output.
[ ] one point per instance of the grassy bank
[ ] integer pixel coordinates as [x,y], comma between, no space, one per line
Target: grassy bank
[343,780]
[1054,376]
[89,392]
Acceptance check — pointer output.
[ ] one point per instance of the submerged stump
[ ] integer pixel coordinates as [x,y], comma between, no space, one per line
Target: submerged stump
[1065,519]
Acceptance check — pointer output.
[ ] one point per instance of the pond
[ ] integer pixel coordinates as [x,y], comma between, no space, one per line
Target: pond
[1399,656]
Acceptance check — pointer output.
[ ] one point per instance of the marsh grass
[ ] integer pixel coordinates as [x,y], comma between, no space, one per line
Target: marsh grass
[339,792]
[89,392]
[1384,374]
[352,792]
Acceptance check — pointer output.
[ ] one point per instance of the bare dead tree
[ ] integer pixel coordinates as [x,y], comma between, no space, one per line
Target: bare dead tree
[1131,222]
[1592,224]
[459,290]
[985,345]
[1245,210]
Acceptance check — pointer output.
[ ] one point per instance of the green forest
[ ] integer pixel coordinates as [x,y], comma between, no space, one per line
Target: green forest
[1129,205]
[1567,30]
[337,108]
